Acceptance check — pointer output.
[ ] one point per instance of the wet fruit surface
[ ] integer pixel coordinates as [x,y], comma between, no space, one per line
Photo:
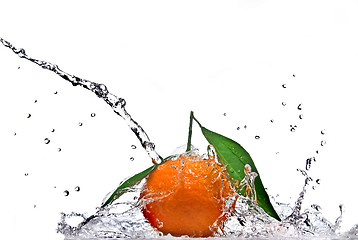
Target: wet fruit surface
[187,196]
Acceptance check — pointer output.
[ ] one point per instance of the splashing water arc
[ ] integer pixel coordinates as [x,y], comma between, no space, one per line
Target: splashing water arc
[116,103]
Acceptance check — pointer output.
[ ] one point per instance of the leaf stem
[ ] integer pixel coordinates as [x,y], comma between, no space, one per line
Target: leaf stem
[188,146]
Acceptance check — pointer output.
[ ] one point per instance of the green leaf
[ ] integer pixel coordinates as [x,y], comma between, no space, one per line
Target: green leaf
[235,157]
[130,182]
[124,187]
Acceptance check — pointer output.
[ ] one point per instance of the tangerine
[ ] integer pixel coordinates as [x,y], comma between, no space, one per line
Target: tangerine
[187,196]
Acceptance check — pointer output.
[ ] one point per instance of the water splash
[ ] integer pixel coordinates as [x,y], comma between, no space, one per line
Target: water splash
[116,103]
[124,219]
[248,184]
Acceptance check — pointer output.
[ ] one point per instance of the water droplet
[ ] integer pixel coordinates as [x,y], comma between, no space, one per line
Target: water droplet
[300,116]
[316,151]
[299,107]
[238,128]
[80,124]
[323,132]
[133,147]
[28,115]
[277,153]
[293,75]
[316,207]
[131,158]
[66,193]
[34,205]
[309,162]
[293,128]
[323,142]
[93,114]
[284,85]
[35,101]
[47,141]
[224,114]
[283,103]
[53,130]
[245,126]
[59,149]
[318,181]
[272,120]
[257,137]
[18,67]
[26,174]
[55,92]
[77,188]
[14,133]
[314,187]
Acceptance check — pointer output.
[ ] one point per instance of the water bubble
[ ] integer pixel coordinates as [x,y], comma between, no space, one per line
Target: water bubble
[53,130]
[34,205]
[47,141]
[238,128]
[293,75]
[66,193]
[257,137]
[133,147]
[224,114]
[80,124]
[55,92]
[284,85]
[103,87]
[59,149]
[77,188]
[14,133]
[29,115]
[323,142]
[313,187]
[149,146]
[120,102]
[245,126]
[18,67]
[99,89]
[93,114]
[283,103]
[272,120]
[26,174]
[131,158]
[300,116]
[318,181]
[323,132]
[316,151]
[299,107]
[35,101]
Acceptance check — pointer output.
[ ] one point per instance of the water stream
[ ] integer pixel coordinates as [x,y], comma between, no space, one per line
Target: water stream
[116,103]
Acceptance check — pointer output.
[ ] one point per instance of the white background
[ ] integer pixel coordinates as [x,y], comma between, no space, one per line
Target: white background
[166,58]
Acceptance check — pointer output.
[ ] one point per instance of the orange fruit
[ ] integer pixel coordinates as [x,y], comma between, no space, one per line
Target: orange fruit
[187,196]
